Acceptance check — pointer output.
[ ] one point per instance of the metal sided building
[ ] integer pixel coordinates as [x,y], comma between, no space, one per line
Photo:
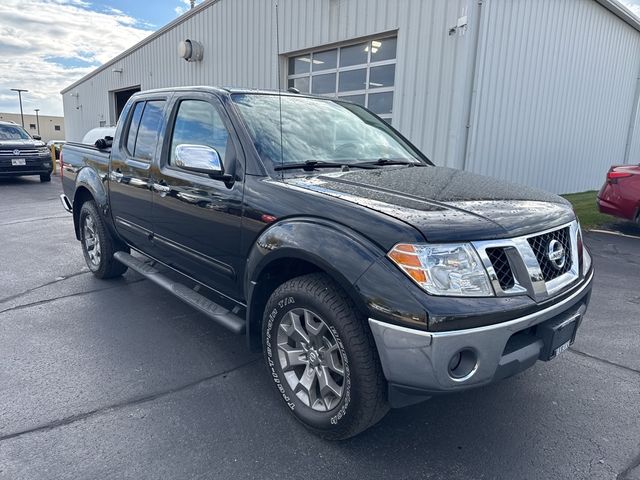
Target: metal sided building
[540,92]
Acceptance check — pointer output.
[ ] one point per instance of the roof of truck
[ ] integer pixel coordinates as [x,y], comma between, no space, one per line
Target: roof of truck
[227,91]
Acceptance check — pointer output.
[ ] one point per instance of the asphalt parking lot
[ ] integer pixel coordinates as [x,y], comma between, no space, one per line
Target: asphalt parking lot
[116,379]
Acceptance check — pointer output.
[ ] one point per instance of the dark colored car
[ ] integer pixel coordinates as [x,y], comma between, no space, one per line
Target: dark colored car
[22,154]
[368,276]
[620,194]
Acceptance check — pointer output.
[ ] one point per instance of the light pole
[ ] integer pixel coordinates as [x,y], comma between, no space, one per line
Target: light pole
[20,90]
[37,119]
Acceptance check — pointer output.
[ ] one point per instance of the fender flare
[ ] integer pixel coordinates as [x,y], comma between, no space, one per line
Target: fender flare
[331,247]
[89,179]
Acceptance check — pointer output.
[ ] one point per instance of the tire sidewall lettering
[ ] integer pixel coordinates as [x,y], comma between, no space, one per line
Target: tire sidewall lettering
[270,361]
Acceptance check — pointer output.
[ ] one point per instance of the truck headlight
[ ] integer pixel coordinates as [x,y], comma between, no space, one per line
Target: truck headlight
[447,269]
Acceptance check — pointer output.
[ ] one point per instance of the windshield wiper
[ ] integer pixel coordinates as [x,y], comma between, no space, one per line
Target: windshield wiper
[310,165]
[389,161]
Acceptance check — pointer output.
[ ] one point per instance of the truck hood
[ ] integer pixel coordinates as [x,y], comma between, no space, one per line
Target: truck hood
[445,204]
[20,144]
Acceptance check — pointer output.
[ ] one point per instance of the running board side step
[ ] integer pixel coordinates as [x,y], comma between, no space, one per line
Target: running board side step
[214,311]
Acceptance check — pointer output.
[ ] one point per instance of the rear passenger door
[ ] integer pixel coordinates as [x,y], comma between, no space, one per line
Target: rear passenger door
[130,169]
[197,219]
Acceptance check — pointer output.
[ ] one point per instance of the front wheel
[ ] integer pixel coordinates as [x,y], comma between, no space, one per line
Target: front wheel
[322,358]
[98,245]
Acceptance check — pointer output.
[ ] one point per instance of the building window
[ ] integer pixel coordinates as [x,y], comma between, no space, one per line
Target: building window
[32,126]
[362,73]
[56,128]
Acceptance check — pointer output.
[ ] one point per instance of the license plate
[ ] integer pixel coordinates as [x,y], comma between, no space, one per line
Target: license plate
[562,348]
[18,161]
[557,334]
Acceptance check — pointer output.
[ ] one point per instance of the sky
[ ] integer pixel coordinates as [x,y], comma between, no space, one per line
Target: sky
[46,45]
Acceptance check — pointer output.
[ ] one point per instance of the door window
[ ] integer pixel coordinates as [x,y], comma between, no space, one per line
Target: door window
[199,123]
[150,125]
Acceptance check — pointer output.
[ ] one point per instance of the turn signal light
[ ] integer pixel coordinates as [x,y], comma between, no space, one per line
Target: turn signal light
[407,258]
[405,255]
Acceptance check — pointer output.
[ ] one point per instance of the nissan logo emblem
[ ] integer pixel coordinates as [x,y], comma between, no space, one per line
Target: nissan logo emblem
[555,253]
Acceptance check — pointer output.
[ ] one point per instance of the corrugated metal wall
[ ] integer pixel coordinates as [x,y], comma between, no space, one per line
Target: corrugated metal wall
[555,88]
[540,92]
[240,50]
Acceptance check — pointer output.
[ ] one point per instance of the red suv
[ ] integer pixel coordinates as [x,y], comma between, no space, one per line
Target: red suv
[620,195]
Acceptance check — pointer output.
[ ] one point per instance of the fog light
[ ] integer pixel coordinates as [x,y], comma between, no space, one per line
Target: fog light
[463,364]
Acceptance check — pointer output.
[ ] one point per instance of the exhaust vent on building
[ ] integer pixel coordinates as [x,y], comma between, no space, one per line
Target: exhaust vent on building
[191,50]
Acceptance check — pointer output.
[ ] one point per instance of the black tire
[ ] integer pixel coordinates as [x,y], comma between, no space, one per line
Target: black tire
[99,259]
[45,177]
[363,401]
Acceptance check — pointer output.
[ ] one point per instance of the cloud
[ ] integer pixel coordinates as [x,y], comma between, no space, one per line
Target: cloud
[45,45]
[184,6]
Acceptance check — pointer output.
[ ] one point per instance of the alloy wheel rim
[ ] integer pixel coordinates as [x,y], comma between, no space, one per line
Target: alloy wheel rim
[91,241]
[311,359]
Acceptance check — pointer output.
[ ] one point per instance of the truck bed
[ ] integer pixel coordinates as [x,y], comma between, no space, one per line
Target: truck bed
[76,156]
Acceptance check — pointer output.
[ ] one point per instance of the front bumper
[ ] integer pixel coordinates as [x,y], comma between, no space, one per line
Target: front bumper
[34,165]
[417,363]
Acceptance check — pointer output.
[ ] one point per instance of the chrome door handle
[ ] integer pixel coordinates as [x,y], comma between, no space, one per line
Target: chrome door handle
[158,187]
[117,175]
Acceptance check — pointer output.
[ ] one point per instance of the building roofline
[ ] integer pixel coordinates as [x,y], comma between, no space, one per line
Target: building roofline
[182,18]
[622,12]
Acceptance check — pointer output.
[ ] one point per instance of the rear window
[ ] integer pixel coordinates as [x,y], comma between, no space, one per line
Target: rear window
[13,132]
[133,127]
[144,129]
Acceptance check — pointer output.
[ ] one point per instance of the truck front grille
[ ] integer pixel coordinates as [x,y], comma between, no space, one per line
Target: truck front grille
[526,265]
[23,153]
[540,247]
[500,262]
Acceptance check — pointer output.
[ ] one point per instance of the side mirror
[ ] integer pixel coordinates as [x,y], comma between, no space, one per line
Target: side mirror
[36,137]
[199,158]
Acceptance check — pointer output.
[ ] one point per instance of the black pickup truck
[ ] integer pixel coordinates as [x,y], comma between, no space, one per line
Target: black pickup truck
[368,276]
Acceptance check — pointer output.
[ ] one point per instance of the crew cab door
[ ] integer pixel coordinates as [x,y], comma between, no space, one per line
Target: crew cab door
[197,219]
[129,173]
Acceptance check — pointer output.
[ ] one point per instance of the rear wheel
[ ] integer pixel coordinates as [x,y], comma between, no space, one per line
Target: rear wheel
[322,358]
[98,245]
[45,177]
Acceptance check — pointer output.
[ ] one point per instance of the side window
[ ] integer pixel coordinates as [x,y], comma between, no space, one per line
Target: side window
[199,123]
[148,131]
[133,127]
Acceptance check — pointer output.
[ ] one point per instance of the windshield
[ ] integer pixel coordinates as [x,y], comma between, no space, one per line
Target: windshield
[13,132]
[318,130]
